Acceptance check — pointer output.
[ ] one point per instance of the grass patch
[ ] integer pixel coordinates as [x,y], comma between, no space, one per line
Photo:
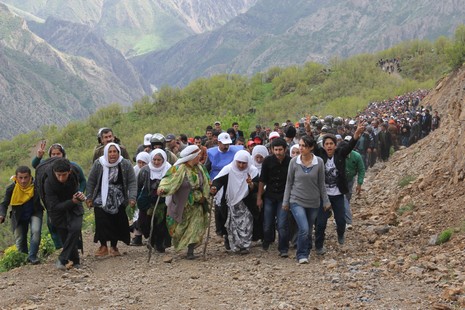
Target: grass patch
[406,180]
[408,207]
[444,236]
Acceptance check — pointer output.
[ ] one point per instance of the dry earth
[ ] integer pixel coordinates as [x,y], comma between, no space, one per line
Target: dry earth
[389,260]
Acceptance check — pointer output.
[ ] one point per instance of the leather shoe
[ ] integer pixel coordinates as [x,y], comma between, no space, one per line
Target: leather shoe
[102,251]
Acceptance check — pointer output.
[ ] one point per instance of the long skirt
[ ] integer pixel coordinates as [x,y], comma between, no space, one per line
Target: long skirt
[191,229]
[239,226]
[111,227]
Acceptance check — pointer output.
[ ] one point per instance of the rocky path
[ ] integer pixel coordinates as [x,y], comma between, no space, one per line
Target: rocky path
[354,276]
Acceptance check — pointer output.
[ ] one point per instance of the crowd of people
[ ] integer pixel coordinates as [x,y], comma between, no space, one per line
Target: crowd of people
[279,183]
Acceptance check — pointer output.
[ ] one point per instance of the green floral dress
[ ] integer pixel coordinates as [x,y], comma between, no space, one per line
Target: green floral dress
[192,227]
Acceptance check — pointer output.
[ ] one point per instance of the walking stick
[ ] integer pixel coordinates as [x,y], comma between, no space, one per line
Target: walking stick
[149,244]
[208,228]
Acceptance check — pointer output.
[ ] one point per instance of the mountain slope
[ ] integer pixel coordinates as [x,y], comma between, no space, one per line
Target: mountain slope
[137,27]
[293,32]
[41,85]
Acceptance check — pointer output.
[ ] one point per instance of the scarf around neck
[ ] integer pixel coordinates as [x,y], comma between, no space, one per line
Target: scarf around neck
[158,173]
[106,169]
[20,194]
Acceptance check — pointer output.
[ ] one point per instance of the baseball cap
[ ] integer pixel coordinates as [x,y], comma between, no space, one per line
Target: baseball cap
[250,142]
[273,135]
[224,138]
[217,122]
[348,138]
[147,138]
[170,137]
[257,140]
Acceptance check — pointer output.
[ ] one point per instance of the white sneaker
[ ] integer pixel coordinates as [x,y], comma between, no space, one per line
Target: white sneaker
[349,226]
[303,261]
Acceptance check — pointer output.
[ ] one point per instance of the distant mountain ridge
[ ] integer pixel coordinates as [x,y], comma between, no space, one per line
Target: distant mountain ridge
[41,85]
[283,33]
[135,26]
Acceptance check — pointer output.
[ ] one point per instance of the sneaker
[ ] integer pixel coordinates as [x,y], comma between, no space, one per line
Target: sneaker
[136,241]
[340,239]
[284,254]
[33,261]
[114,251]
[349,226]
[303,261]
[59,265]
[321,251]
[102,251]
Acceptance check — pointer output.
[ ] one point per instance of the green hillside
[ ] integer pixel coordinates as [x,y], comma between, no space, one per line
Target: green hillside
[341,89]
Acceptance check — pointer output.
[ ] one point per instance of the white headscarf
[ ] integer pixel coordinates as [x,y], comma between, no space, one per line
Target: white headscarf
[237,185]
[292,147]
[158,173]
[259,150]
[189,153]
[106,169]
[145,157]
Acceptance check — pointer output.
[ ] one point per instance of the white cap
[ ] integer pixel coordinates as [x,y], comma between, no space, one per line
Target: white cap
[147,138]
[224,138]
[273,135]
[348,138]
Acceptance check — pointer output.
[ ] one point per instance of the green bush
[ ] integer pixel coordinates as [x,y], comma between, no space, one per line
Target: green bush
[406,208]
[12,258]
[406,180]
[444,236]
[47,247]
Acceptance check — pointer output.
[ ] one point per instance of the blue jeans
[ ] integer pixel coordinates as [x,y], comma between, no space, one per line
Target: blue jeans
[273,212]
[337,204]
[305,218]
[21,236]
[348,196]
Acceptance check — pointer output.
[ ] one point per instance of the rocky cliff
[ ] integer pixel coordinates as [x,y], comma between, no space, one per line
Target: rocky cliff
[41,85]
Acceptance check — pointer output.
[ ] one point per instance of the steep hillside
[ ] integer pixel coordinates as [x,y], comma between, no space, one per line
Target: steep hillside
[293,32]
[136,27]
[46,86]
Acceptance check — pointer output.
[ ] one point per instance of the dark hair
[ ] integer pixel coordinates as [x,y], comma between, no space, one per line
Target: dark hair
[215,133]
[278,142]
[23,169]
[197,138]
[231,130]
[61,165]
[56,146]
[209,128]
[183,138]
[235,123]
[308,141]
[242,139]
[330,136]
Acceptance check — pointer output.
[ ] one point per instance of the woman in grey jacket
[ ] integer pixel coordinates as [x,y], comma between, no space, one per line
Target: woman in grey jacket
[305,189]
[110,187]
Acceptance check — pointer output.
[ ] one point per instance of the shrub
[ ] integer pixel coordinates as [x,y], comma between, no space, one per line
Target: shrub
[12,258]
[406,208]
[444,236]
[47,246]
[406,180]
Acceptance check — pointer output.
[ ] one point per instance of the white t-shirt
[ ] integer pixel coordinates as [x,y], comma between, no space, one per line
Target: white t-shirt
[331,175]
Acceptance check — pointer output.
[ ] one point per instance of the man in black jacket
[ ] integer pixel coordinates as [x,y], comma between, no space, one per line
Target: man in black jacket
[64,204]
[26,211]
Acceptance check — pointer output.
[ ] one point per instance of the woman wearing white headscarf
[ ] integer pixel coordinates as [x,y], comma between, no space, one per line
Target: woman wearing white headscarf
[187,182]
[239,179]
[258,156]
[111,186]
[142,160]
[147,184]
[259,153]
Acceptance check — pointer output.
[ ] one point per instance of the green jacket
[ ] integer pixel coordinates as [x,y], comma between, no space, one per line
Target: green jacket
[355,166]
